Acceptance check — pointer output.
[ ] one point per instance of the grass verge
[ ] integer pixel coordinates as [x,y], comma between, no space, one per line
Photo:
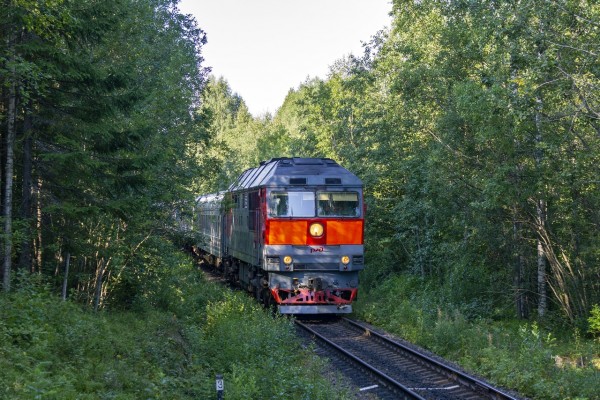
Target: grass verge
[522,356]
[168,348]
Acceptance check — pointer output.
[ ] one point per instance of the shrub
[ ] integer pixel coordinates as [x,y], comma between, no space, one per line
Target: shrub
[594,320]
[512,354]
[52,349]
[258,355]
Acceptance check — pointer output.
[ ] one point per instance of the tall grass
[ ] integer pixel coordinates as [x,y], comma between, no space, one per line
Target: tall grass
[518,355]
[170,346]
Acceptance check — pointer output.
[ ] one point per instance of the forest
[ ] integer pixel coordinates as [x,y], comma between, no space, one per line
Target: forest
[475,126]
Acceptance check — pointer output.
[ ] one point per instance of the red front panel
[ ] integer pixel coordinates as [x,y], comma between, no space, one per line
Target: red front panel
[292,232]
[296,232]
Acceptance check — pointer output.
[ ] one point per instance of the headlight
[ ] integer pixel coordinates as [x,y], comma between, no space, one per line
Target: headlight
[345,260]
[287,260]
[316,229]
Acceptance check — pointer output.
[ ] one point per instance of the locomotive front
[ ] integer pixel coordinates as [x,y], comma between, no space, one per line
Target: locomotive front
[290,231]
[313,237]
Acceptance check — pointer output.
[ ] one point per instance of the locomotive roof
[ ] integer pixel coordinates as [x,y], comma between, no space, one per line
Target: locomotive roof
[296,171]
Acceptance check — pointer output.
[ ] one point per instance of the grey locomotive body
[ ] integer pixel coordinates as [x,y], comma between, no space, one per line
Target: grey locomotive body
[291,232]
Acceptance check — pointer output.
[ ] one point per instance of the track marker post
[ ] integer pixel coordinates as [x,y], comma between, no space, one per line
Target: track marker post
[220,386]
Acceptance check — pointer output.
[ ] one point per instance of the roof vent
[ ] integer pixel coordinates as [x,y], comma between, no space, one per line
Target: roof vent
[297,181]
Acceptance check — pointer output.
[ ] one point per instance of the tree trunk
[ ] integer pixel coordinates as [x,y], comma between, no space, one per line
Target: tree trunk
[541,264]
[540,206]
[38,227]
[540,201]
[66,277]
[8,181]
[3,108]
[26,210]
[519,268]
[99,277]
[522,306]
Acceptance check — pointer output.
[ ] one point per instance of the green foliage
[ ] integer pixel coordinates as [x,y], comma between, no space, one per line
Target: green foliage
[238,140]
[53,349]
[160,277]
[474,128]
[524,357]
[56,350]
[461,120]
[457,120]
[106,93]
[594,320]
[393,305]
[261,358]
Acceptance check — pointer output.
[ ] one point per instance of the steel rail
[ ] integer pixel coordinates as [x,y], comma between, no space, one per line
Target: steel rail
[448,371]
[389,382]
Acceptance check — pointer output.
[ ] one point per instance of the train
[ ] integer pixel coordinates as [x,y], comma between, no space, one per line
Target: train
[290,232]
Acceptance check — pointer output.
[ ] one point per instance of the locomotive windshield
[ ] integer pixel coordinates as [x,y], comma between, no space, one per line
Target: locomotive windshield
[307,204]
[292,204]
[338,204]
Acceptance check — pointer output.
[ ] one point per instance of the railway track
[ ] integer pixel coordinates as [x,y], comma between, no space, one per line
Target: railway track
[400,372]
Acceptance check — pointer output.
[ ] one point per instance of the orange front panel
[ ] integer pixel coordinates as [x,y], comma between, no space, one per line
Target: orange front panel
[344,232]
[287,232]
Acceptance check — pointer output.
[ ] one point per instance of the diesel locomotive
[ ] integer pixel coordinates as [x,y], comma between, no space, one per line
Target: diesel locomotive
[290,231]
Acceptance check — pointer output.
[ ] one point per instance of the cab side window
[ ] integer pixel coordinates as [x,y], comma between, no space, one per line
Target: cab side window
[253,210]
